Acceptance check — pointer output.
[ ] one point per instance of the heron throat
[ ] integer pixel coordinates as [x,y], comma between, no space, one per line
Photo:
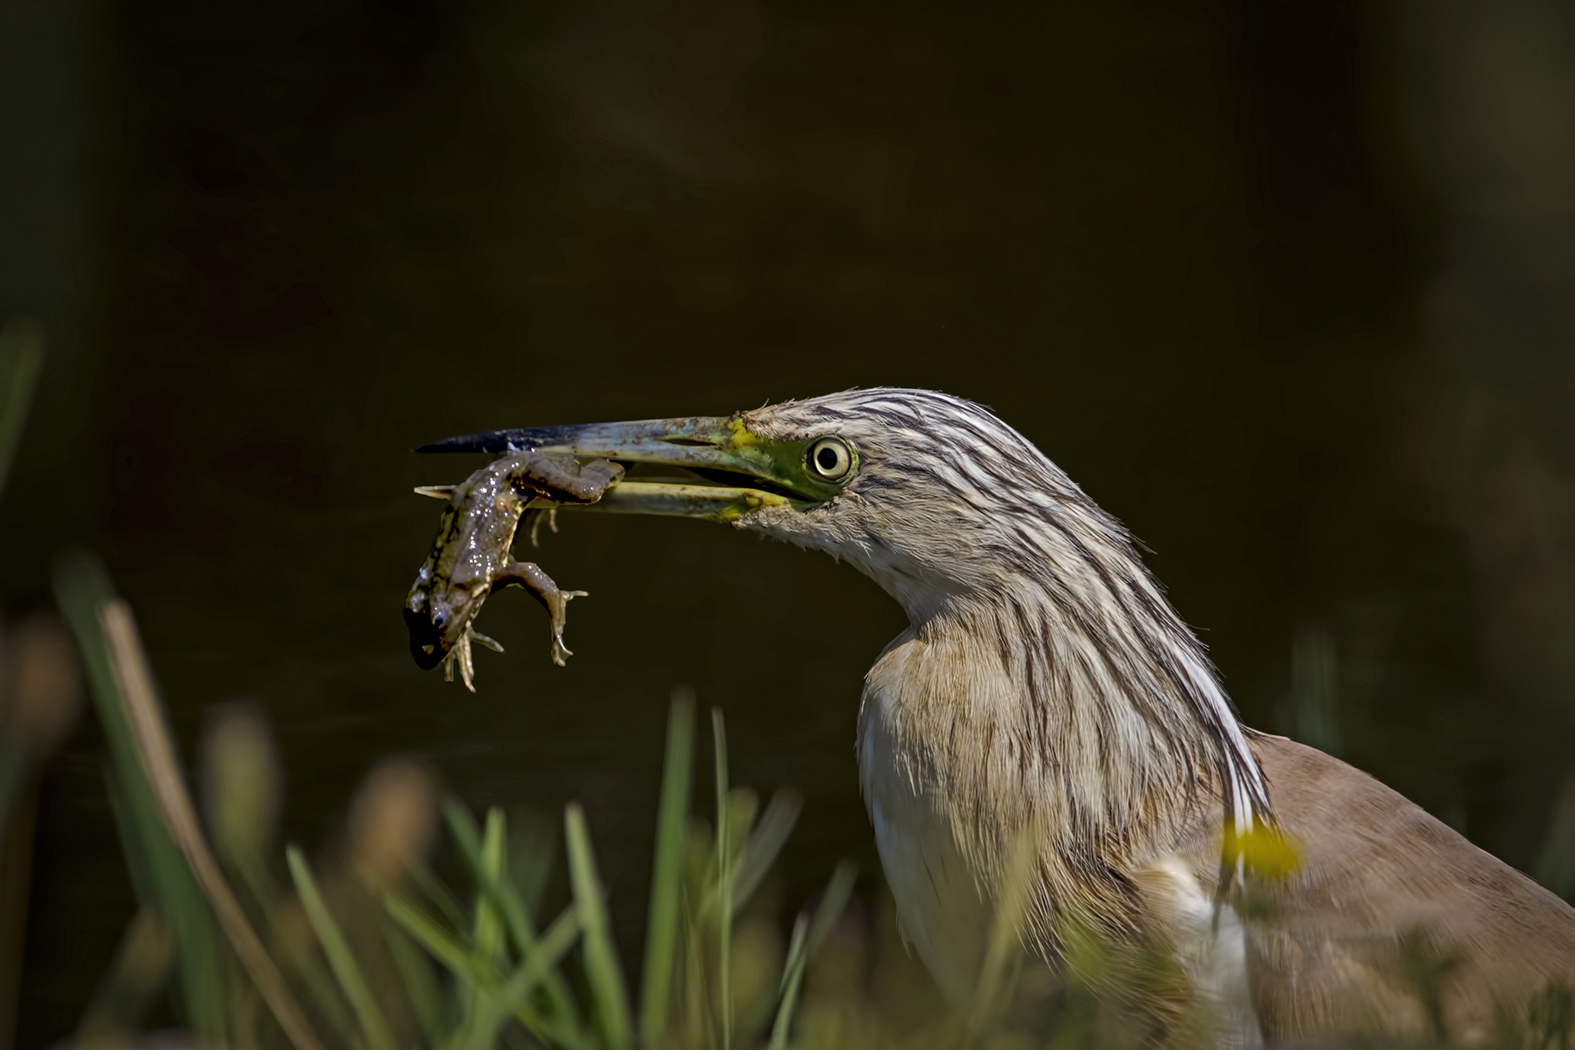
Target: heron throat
[1046,678]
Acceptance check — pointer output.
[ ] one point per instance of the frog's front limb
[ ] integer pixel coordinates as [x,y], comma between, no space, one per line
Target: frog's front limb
[461,656]
[562,479]
[529,576]
[477,636]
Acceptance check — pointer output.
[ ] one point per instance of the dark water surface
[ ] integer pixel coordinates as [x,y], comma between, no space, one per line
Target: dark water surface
[1179,246]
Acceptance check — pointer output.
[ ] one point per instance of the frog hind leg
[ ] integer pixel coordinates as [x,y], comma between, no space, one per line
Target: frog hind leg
[556,601]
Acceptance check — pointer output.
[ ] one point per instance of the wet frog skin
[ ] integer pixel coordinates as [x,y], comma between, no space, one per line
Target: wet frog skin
[472,557]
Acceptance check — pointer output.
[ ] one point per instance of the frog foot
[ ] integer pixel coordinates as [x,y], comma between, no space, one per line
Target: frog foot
[541,586]
[559,612]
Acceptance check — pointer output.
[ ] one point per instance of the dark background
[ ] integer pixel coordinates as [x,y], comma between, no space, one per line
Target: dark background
[1285,286]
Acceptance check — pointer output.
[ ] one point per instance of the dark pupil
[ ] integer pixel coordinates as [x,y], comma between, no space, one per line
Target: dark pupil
[827,458]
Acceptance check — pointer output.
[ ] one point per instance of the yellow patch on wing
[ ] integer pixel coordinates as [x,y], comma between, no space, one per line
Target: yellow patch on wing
[1263,850]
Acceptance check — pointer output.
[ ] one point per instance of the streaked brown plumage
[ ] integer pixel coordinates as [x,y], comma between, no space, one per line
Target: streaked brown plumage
[1045,684]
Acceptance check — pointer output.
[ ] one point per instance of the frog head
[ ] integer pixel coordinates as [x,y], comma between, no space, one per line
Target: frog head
[440,608]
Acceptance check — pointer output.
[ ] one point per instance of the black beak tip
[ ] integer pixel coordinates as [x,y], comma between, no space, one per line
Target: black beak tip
[517,440]
[494,442]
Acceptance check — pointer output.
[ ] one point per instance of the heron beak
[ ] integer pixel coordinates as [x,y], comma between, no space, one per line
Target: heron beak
[732,471]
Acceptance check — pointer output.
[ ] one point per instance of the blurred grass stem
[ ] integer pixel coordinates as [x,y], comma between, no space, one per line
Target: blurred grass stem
[21,361]
[1005,946]
[601,958]
[180,817]
[374,1027]
[724,879]
[661,939]
[506,899]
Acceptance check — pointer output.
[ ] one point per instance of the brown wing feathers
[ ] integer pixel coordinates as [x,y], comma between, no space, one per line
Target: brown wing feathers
[1392,920]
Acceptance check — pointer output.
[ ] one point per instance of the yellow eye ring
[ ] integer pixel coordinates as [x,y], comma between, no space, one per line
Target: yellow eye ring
[830,458]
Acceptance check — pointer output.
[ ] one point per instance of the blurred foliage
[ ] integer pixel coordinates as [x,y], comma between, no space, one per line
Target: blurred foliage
[40,690]
[21,357]
[384,953]
[372,949]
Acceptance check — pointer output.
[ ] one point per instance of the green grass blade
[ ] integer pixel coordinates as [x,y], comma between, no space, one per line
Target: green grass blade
[792,977]
[421,988]
[159,871]
[516,917]
[808,933]
[1004,945]
[439,895]
[724,881]
[21,361]
[313,975]
[764,845]
[832,902]
[514,996]
[478,980]
[534,845]
[602,970]
[486,934]
[374,1026]
[661,936]
[438,942]
[478,976]
[488,1006]
[504,898]
[555,943]
[698,997]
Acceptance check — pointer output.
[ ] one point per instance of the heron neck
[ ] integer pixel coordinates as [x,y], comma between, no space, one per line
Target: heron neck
[1132,728]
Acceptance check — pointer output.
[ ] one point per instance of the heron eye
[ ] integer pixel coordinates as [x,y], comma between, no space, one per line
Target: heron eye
[831,458]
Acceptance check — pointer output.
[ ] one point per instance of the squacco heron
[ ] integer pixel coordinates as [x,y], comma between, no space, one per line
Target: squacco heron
[1045,683]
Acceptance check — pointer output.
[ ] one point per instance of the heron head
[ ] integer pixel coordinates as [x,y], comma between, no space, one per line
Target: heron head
[928,494]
